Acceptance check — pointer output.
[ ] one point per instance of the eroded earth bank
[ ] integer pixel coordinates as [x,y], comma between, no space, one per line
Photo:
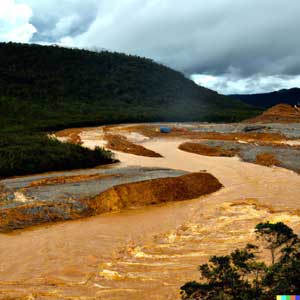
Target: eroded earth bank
[151,246]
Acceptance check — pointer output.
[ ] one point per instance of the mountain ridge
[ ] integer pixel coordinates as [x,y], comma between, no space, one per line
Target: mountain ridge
[266,100]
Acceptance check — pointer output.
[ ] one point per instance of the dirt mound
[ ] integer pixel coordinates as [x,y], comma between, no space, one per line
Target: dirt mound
[281,113]
[154,191]
[206,150]
[267,159]
[120,143]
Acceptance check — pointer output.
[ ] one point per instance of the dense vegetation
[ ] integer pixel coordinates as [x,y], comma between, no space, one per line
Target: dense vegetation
[267,100]
[51,87]
[28,154]
[44,88]
[242,276]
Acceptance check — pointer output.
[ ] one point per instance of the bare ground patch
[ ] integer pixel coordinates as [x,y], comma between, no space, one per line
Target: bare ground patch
[155,191]
[203,149]
[138,194]
[72,135]
[267,159]
[266,154]
[67,179]
[120,143]
[152,131]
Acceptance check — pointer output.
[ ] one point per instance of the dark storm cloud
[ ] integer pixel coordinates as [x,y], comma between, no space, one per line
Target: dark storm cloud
[232,39]
[206,37]
[194,36]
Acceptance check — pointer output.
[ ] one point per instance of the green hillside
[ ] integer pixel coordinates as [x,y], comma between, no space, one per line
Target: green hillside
[47,87]
[44,88]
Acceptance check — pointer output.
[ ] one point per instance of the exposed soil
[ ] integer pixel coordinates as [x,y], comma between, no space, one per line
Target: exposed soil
[67,179]
[120,143]
[111,140]
[266,154]
[203,149]
[119,197]
[267,159]
[71,135]
[22,190]
[38,213]
[154,191]
[281,113]
[153,132]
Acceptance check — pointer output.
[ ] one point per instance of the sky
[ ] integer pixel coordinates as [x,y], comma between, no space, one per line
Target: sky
[231,46]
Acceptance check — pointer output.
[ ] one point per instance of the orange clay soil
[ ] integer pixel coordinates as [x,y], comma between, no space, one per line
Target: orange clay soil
[71,134]
[264,159]
[123,196]
[120,143]
[154,191]
[206,150]
[281,113]
[277,145]
[68,179]
[267,159]
[153,132]
[114,141]
[34,214]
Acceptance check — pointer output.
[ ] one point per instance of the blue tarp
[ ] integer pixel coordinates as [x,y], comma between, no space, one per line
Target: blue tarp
[165,129]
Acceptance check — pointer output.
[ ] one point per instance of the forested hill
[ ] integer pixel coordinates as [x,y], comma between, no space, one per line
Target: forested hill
[267,100]
[49,87]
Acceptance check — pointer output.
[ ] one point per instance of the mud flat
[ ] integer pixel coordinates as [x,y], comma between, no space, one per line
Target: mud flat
[147,252]
[221,131]
[61,198]
[283,156]
[208,150]
[121,143]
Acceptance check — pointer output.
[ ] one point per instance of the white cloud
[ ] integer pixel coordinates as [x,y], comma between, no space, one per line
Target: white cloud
[228,84]
[15,22]
[241,46]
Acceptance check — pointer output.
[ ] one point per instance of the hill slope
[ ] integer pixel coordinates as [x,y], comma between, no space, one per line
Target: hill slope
[46,87]
[280,113]
[266,100]
[43,88]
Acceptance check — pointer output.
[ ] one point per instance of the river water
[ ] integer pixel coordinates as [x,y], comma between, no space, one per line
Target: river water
[150,252]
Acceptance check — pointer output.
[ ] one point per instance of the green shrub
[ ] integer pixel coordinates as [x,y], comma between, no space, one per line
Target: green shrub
[27,154]
[241,276]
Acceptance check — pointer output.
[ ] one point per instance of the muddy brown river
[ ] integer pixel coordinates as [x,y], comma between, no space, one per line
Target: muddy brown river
[150,252]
